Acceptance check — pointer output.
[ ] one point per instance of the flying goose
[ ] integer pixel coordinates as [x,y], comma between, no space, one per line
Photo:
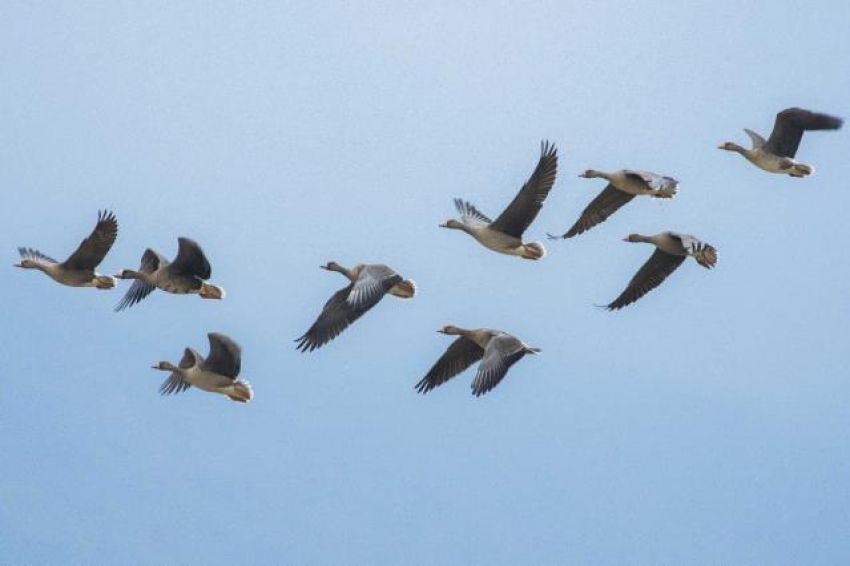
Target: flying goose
[497,350]
[78,269]
[186,274]
[504,235]
[623,186]
[218,373]
[671,249]
[369,284]
[776,154]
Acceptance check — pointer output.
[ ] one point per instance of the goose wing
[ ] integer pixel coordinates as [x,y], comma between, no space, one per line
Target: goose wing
[705,254]
[93,249]
[656,269]
[191,260]
[151,261]
[175,383]
[517,217]
[469,214]
[30,253]
[341,310]
[501,353]
[789,126]
[609,201]
[461,354]
[225,356]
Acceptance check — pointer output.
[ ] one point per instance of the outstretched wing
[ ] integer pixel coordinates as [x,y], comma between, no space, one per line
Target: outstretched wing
[522,211]
[372,283]
[30,253]
[604,205]
[501,353]
[461,354]
[656,269]
[225,356]
[191,260]
[176,383]
[469,214]
[789,127]
[705,254]
[338,314]
[151,261]
[93,249]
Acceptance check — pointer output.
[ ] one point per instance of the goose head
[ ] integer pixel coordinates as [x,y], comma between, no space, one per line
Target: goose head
[453,224]
[591,174]
[451,330]
[27,263]
[332,266]
[165,366]
[634,238]
[731,146]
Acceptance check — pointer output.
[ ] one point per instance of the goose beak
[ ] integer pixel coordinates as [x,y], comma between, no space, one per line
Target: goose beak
[626,239]
[582,175]
[325,267]
[17,265]
[444,225]
[442,331]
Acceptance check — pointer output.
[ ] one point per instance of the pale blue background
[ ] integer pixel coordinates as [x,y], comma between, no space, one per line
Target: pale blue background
[708,423]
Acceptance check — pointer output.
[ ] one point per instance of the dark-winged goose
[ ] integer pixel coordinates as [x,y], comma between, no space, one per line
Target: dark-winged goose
[776,154]
[623,186]
[79,269]
[369,284]
[188,273]
[504,235]
[217,373]
[497,350]
[671,250]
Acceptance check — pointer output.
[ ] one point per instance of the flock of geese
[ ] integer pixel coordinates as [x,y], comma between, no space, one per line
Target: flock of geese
[496,350]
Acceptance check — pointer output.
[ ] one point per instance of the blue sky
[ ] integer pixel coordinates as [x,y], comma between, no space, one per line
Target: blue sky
[705,424]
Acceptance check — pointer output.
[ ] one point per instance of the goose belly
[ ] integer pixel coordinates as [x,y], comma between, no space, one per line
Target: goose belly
[178,285]
[208,381]
[770,162]
[498,242]
[73,278]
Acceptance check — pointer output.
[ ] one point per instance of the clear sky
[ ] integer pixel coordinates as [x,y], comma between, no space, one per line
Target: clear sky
[708,423]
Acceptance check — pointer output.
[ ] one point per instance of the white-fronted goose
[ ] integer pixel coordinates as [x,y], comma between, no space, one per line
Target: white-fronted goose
[79,269]
[623,186]
[497,350]
[218,373]
[776,154]
[504,235]
[188,273]
[369,284]
[671,249]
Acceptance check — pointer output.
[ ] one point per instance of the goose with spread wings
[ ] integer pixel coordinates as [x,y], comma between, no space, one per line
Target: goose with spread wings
[368,285]
[79,269]
[217,373]
[671,250]
[777,153]
[504,235]
[496,350]
[188,273]
[623,186]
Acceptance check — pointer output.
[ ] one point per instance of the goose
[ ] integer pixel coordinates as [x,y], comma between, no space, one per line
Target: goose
[79,269]
[217,373]
[671,250]
[369,284]
[776,154]
[497,350]
[504,235]
[623,186]
[186,274]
